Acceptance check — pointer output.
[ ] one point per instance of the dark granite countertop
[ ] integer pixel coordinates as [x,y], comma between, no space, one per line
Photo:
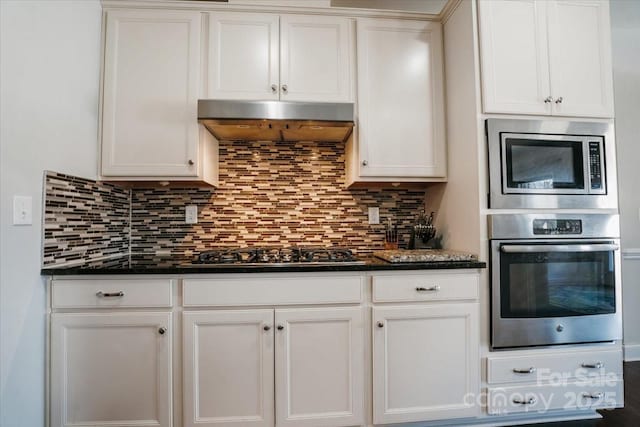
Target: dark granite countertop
[180,265]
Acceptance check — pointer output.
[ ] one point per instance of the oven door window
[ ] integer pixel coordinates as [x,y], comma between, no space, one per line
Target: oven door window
[556,284]
[535,164]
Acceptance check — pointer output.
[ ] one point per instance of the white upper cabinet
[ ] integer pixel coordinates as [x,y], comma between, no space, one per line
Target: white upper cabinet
[515,66]
[316,58]
[151,81]
[546,57]
[243,56]
[580,52]
[400,101]
[287,57]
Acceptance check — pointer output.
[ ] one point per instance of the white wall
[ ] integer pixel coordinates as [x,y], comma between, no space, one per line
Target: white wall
[50,60]
[625,27]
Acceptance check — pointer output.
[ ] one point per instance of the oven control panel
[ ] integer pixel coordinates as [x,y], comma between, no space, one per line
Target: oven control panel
[557,226]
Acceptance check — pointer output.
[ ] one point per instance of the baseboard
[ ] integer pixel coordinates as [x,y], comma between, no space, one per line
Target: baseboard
[631,352]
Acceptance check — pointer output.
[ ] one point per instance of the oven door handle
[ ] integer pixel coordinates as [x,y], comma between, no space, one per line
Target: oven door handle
[597,247]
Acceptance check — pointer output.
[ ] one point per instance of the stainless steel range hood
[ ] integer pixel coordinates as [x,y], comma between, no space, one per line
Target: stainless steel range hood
[276,120]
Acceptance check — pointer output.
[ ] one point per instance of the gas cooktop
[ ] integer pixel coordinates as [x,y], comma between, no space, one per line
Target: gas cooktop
[278,256]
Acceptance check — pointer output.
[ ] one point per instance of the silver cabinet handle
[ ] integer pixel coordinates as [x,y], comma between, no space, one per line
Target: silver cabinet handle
[531,370]
[285,89]
[280,327]
[548,99]
[434,288]
[559,100]
[266,327]
[162,330]
[594,396]
[380,325]
[274,88]
[595,247]
[365,163]
[597,365]
[529,401]
[101,294]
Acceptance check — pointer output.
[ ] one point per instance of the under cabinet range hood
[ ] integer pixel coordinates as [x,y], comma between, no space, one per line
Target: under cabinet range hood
[229,120]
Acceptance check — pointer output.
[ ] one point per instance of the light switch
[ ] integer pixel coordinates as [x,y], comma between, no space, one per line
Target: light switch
[191,214]
[374,215]
[22,210]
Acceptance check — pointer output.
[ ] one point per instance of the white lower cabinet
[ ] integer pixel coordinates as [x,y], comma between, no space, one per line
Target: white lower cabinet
[228,368]
[232,358]
[110,369]
[425,362]
[555,379]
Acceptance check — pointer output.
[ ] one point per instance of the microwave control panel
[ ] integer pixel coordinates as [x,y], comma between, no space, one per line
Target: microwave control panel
[595,165]
[557,226]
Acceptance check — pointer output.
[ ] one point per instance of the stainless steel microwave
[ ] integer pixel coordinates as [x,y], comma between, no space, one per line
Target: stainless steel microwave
[550,164]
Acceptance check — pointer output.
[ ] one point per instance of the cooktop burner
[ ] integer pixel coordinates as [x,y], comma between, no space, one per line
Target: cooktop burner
[278,256]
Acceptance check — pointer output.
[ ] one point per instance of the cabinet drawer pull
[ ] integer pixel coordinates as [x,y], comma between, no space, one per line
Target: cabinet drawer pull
[266,327]
[101,294]
[434,288]
[274,88]
[285,88]
[380,325]
[531,370]
[593,396]
[529,401]
[597,365]
[280,327]
[559,100]
[162,330]
[548,99]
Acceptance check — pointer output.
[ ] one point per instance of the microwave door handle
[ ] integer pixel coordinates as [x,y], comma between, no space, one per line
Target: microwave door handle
[516,249]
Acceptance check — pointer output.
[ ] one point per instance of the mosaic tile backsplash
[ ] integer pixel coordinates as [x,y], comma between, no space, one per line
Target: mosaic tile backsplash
[83,220]
[270,194]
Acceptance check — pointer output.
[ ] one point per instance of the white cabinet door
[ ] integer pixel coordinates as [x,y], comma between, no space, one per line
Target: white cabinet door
[316,58]
[514,56]
[111,369]
[243,56]
[228,368]
[425,362]
[400,99]
[580,51]
[319,367]
[151,81]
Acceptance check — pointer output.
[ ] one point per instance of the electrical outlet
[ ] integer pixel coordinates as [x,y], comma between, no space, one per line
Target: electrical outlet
[22,210]
[374,215]
[191,214]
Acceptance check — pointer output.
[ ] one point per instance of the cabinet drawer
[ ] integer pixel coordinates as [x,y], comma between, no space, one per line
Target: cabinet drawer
[570,395]
[111,293]
[541,367]
[425,287]
[272,290]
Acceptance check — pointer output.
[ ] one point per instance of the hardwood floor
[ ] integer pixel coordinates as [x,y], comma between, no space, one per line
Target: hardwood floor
[629,416]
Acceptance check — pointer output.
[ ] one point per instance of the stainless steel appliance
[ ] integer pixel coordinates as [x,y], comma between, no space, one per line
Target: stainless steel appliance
[230,120]
[551,164]
[555,279]
[260,256]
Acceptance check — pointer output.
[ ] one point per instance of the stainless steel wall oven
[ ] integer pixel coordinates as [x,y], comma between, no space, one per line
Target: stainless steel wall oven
[551,164]
[555,279]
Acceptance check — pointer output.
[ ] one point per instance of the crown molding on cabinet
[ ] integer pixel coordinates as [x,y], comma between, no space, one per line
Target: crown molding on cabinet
[219,6]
